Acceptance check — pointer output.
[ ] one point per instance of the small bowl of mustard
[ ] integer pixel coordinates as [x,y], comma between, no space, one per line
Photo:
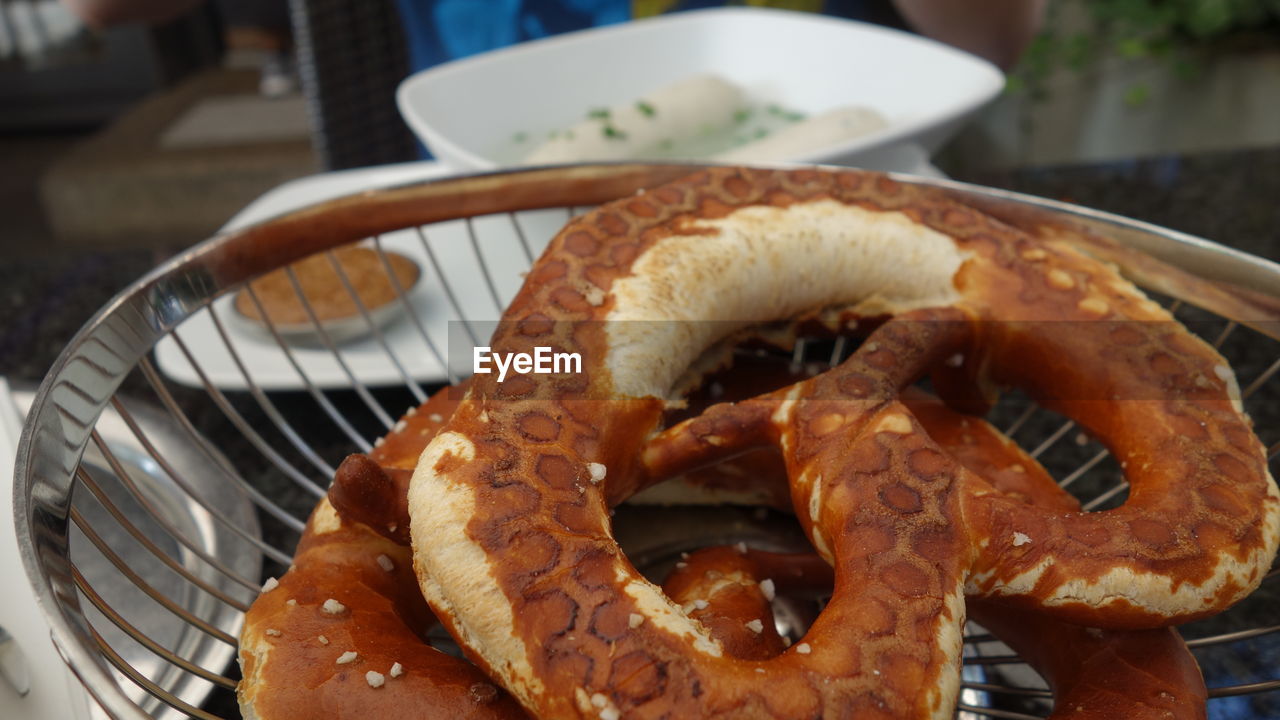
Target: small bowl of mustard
[349,292]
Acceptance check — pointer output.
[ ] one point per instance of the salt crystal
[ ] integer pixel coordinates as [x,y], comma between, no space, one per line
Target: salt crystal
[597,471]
[767,587]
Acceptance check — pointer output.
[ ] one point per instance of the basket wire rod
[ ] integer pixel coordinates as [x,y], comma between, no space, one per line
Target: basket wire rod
[321,399]
[180,480]
[163,600]
[1259,381]
[1229,328]
[256,495]
[444,285]
[1085,467]
[1007,689]
[994,713]
[141,681]
[1211,640]
[524,240]
[798,353]
[412,312]
[150,545]
[268,407]
[1053,438]
[145,640]
[1021,420]
[994,660]
[247,429]
[837,351]
[1119,488]
[484,266]
[359,387]
[1245,689]
[378,337]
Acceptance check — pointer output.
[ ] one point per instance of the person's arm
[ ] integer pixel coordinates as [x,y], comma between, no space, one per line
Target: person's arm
[103,13]
[997,30]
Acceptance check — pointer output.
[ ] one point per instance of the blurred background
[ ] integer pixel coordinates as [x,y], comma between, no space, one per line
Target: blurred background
[151,133]
[126,139]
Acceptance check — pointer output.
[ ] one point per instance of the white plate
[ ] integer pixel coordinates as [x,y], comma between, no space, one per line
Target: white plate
[468,111]
[272,368]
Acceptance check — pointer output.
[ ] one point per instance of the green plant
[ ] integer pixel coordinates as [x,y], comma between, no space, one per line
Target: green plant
[1078,34]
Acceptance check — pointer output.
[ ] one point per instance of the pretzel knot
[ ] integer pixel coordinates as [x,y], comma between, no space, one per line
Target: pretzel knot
[509,503]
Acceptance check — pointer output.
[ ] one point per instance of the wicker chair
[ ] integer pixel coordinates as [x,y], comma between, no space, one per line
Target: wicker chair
[351,56]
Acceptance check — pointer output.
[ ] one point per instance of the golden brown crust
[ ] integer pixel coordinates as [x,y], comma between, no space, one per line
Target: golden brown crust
[292,645]
[511,536]
[719,587]
[400,448]
[1095,674]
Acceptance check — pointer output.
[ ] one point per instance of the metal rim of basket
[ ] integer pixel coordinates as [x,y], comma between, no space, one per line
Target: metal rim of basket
[117,341]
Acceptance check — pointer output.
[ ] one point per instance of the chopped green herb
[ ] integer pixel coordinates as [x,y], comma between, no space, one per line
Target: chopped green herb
[553,134]
[598,114]
[519,137]
[665,144]
[568,134]
[645,109]
[742,115]
[614,133]
[704,130]
[785,114]
[761,132]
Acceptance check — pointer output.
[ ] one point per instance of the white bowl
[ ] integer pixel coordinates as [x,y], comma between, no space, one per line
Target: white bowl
[468,111]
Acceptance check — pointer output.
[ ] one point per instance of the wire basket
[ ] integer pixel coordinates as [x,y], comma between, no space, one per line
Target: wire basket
[207,448]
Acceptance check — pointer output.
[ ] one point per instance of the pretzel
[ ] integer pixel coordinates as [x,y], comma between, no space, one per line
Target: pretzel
[344,630]
[1096,674]
[509,503]
[342,634]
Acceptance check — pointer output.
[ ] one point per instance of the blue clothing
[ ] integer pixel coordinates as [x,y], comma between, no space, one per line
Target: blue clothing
[441,30]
